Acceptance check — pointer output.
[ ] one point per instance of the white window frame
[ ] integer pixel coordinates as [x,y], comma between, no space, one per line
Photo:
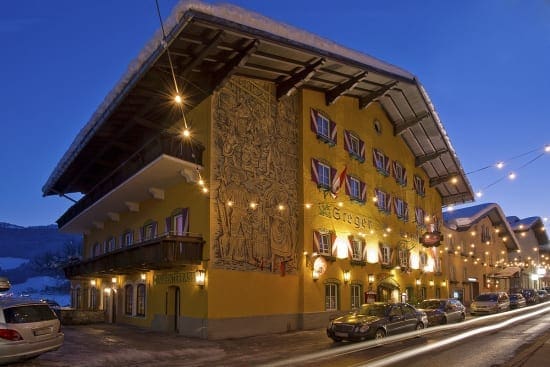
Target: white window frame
[331,297]
[178,224]
[356,295]
[323,126]
[399,173]
[403,258]
[381,200]
[357,249]
[149,232]
[323,171]
[111,244]
[324,244]
[380,161]
[355,188]
[400,208]
[419,185]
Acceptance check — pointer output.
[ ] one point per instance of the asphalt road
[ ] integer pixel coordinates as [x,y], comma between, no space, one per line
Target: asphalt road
[114,345]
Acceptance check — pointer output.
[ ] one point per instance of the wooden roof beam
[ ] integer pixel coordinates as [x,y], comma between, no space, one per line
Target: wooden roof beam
[290,85]
[407,124]
[197,59]
[223,75]
[332,95]
[364,102]
[429,157]
[456,198]
[441,179]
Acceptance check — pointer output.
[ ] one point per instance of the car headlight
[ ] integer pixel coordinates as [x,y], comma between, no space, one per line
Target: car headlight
[364,328]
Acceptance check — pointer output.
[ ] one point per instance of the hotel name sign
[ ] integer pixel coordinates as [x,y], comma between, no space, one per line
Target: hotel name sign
[334,212]
[174,277]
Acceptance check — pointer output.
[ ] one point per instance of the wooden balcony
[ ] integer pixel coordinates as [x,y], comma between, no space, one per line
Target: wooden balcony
[163,252]
[189,154]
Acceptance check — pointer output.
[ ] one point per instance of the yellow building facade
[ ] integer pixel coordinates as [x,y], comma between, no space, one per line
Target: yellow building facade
[305,185]
[478,244]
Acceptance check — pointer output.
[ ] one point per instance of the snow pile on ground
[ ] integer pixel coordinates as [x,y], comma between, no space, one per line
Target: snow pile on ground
[35,287]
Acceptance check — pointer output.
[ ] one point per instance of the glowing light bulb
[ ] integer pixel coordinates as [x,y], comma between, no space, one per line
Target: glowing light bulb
[454,180]
[205,189]
[178,99]
[547,148]
[229,203]
[499,165]
[281,207]
[201,182]
[512,176]
[186,133]
[479,194]
[253,205]
[308,206]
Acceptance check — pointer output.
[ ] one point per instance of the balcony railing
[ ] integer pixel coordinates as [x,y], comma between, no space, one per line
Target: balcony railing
[163,252]
[159,145]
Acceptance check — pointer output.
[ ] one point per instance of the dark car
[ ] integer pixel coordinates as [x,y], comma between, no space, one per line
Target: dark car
[531,296]
[376,320]
[517,300]
[440,311]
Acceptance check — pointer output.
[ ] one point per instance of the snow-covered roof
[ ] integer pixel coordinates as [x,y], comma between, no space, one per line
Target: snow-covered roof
[409,107]
[534,224]
[464,218]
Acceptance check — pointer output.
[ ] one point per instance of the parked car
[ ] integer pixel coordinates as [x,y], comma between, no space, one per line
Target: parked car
[491,302]
[376,320]
[543,295]
[54,306]
[517,300]
[531,296]
[442,311]
[28,328]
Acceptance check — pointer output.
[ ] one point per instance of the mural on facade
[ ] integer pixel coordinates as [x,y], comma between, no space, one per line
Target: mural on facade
[255,170]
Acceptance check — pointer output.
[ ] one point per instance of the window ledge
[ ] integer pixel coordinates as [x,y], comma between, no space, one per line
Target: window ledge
[358,262]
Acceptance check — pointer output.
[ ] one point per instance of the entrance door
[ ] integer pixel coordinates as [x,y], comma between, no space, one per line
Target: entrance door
[173,308]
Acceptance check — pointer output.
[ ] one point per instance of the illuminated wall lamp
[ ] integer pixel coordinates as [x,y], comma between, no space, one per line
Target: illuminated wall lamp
[315,275]
[347,276]
[92,282]
[200,277]
[431,283]
[443,283]
[371,278]
[418,282]
[113,280]
[143,276]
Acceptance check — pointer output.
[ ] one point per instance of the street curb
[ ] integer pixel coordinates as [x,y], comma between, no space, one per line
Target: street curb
[528,351]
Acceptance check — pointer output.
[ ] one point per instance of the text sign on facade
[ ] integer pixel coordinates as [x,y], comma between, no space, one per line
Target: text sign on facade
[334,212]
[174,278]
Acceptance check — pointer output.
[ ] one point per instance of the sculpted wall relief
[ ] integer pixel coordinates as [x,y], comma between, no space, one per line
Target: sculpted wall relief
[255,162]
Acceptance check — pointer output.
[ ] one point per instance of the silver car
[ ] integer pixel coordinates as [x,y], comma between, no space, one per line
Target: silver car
[27,329]
[492,302]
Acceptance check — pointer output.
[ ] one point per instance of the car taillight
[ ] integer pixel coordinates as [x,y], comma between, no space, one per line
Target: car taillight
[9,334]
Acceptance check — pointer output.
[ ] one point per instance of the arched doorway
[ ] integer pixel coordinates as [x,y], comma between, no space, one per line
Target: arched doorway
[388,290]
[173,308]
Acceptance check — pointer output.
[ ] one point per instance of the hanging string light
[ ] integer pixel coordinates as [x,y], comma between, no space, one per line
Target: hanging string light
[177,98]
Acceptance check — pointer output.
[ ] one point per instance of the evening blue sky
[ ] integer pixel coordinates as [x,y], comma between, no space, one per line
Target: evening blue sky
[485,65]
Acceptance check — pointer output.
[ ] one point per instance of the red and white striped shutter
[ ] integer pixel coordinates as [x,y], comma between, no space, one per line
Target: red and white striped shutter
[333,131]
[315,170]
[363,193]
[362,149]
[404,176]
[348,185]
[380,254]
[313,121]
[388,203]
[387,163]
[405,211]
[376,191]
[394,173]
[347,141]
[374,158]
[333,173]
[332,239]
